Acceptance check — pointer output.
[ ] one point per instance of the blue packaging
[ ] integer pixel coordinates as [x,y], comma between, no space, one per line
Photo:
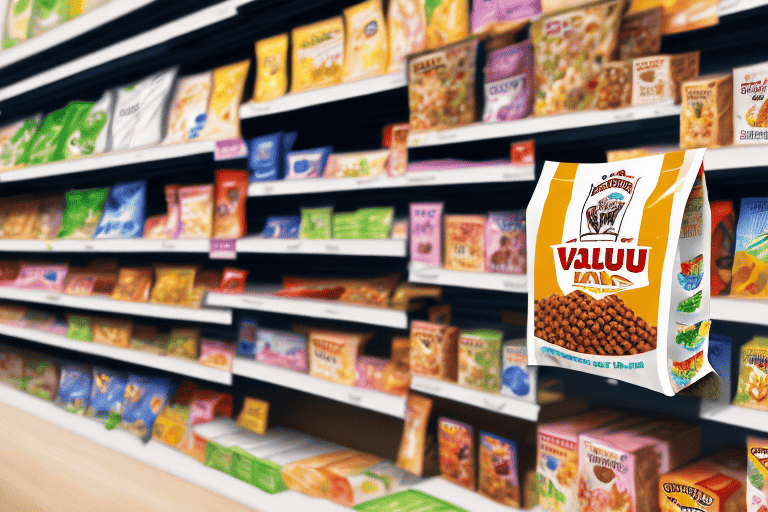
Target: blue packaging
[123,215]
[74,387]
[265,155]
[518,380]
[309,163]
[282,348]
[246,344]
[145,398]
[282,226]
[107,392]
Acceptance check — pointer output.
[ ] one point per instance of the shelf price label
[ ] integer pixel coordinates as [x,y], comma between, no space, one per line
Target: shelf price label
[223,249]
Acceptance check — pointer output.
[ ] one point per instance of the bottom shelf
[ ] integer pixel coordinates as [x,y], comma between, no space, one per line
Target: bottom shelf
[176,463]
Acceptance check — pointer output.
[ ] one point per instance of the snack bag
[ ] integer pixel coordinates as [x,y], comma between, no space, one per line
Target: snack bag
[126,115]
[266,155]
[223,120]
[229,219]
[153,99]
[370,373]
[457,452]
[124,211]
[640,33]
[14,139]
[184,343]
[367,50]
[318,54]
[497,476]
[111,331]
[49,278]
[333,355]
[217,354]
[752,389]
[434,350]
[286,226]
[232,281]
[41,375]
[441,86]
[398,150]
[12,371]
[133,284]
[75,387]
[17,22]
[509,82]
[309,163]
[714,484]
[505,242]
[750,262]
[757,474]
[593,233]
[566,63]
[518,380]
[46,15]
[83,213]
[79,328]
[246,340]
[357,165]
[173,285]
[20,216]
[750,105]
[480,359]
[447,21]
[189,108]
[90,135]
[48,220]
[426,233]
[173,217]
[614,86]
[271,68]
[465,242]
[315,223]
[196,211]
[706,119]
[107,392]
[410,454]
[407,31]
[282,348]
[49,141]
[723,242]
[145,398]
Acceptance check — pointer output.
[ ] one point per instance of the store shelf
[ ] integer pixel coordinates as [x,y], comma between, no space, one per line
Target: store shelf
[747,311]
[461,497]
[108,160]
[129,245]
[744,417]
[429,274]
[162,34]
[330,310]
[497,403]
[165,363]
[392,248]
[296,101]
[533,125]
[468,175]
[727,7]
[206,315]
[735,157]
[70,30]
[384,403]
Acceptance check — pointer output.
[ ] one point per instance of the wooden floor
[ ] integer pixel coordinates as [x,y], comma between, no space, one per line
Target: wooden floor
[46,468]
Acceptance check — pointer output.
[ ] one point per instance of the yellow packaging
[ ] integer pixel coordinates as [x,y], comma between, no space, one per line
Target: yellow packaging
[706,119]
[714,484]
[271,68]
[447,21]
[318,54]
[333,355]
[223,121]
[367,53]
[254,415]
[407,31]
[681,15]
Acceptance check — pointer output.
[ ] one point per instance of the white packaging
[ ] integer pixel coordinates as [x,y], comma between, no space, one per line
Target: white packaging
[189,107]
[750,105]
[104,107]
[154,96]
[125,116]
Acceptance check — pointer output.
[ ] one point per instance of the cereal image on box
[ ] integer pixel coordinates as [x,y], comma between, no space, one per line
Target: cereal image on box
[505,242]
[465,242]
[497,476]
[434,350]
[457,452]
[601,268]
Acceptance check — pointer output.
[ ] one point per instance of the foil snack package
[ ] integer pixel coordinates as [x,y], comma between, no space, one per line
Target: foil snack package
[124,211]
[154,97]
[189,108]
[509,83]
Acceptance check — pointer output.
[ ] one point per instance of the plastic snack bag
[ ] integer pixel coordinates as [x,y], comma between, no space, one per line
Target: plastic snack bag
[246,340]
[356,165]
[17,21]
[47,14]
[145,398]
[434,350]
[184,343]
[318,54]
[484,13]
[107,392]
[593,232]
[217,354]
[83,213]
[196,211]
[173,218]
[447,21]
[232,281]
[505,242]
[315,223]
[14,139]
[155,227]
[133,284]
[465,242]
[41,374]
[750,263]
[19,221]
[79,328]
[90,136]
[12,363]
[224,108]
[410,454]
[125,116]
[266,155]
[229,220]
[154,98]
[113,332]
[49,278]
[457,452]
[750,106]
[407,31]
[173,285]
[286,226]
[282,348]
[367,51]
[49,141]
[426,233]
[74,387]
[309,163]
[124,211]
[189,108]
[509,83]
[271,68]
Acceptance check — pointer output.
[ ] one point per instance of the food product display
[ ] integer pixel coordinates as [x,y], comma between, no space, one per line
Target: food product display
[660,77]
[509,82]
[753,374]
[614,87]
[640,33]
[707,113]
[189,108]
[750,273]
[750,108]
[517,378]
[426,233]
[271,68]
[723,241]
[497,476]
[281,348]
[457,452]
[367,51]
[333,355]
[318,54]
[410,455]
[434,350]
[480,359]
[691,485]
[757,473]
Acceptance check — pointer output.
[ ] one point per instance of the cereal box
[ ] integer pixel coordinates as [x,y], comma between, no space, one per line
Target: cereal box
[282,348]
[333,355]
[713,484]
[434,350]
[465,242]
[505,242]
[660,77]
[640,34]
[757,474]
[479,359]
[706,120]
[753,374]
[558,457]
[497,476]
[614,87]
[426,233]
[457,452]
[750,106]
[518,380]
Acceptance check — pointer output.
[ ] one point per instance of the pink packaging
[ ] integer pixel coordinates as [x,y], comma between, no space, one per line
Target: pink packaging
[282,348]
[448,164]
[370,372]
[484,12]
[510,10]
[49,278]
[217,354]
[398,150]
[173,218]
[509,83]
[426,232]
[505,242]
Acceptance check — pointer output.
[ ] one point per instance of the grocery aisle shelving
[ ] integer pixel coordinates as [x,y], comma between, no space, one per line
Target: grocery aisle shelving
[534,125]
[735,157]
[331,310]
[166,363]
[498,403]
[129,245]
[745,417]
[748,311]
[296,101]
[206,315]
[391,248]
[391,405]
[430,274]
[464,176]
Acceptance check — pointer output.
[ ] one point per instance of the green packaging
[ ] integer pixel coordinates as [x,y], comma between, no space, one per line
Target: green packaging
[15,138]
[315,223]
[480,359]
[407,501]
[48,143]
[79,328]
[83,213]
[47,14]
[17,23]
[376,222]
[347,225]
[87,124]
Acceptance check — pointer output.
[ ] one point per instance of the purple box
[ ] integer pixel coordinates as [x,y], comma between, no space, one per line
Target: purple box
[426,232]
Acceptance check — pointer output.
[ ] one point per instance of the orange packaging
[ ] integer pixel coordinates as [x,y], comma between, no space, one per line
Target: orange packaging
[465,242]
[196,211]
[231,193]
[681,15]
[333,355]
[457,452]
[434,350]
[714,484]
[307,477]
[232,281]
[410,455]
[133,284]
[723,243]
[110,331]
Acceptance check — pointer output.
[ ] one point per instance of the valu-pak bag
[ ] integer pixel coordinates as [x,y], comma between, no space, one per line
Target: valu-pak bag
[618,275]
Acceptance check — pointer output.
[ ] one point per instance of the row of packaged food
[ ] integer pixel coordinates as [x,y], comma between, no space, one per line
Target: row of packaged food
[323,223]
[22,20]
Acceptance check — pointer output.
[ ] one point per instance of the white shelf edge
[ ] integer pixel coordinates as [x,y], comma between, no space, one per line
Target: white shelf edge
[70,30]
[468,175]
[296,101]
[745,417]
[428,274]
[534,125]
[166,363]
[104,245]
[205,315]
[732,309]
[391,405]
[497,403]
[733,7]
[735,157]
[107,160]
[331,310]
[392,248]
